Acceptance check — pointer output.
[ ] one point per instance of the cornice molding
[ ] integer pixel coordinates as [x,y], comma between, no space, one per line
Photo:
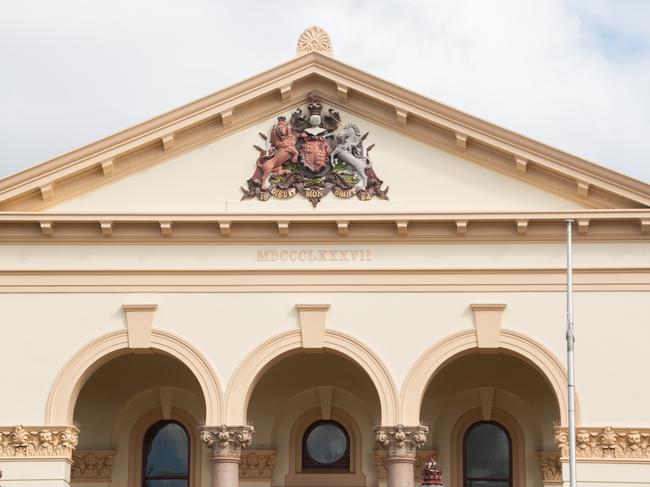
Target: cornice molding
[278,89]
[325,227]
[323,280]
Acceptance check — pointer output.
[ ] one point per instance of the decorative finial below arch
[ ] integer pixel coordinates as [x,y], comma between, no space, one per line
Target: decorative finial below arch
[314,39]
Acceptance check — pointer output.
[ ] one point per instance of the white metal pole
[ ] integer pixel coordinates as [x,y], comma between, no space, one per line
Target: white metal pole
[570,341]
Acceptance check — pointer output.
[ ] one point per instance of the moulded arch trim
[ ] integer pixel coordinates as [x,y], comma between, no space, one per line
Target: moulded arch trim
[252,367]
[510,341]
[68,383]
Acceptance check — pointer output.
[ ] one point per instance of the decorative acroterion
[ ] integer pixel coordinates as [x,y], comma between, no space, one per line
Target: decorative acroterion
[314,39]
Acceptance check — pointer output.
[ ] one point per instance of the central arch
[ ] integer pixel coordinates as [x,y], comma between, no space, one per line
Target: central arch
[510,341]
[251,369]
[70,380]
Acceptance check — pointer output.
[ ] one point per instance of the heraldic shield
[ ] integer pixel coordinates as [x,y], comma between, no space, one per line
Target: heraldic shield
[313,154]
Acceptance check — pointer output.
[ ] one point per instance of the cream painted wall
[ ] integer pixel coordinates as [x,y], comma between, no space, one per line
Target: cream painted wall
[611,327]
[416,256]
[421,178]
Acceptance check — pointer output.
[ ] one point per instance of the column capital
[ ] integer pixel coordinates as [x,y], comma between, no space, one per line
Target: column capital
[401,441]
[226,442]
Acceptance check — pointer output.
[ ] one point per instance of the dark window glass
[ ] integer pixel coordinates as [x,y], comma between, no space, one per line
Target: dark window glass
[166,460]
[487,456]
[326,446]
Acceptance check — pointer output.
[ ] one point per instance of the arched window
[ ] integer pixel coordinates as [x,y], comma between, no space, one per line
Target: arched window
[326,446]
[166,456]
[487,456]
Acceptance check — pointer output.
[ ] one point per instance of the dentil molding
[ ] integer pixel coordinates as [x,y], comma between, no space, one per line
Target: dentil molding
[92,465]
[608,443]
[227,442]
[38,441]
[400,440]
[257,464]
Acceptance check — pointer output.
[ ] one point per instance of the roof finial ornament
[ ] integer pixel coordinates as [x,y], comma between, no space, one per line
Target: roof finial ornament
[314,39]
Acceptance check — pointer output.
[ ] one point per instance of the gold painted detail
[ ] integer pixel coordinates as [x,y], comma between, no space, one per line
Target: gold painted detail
[38,441]
[92,465]
[306,255]
[314,39]
[400,440]
[420,457]
[257,464]
[550,466]
[283,193]
[609,443]
[227,441]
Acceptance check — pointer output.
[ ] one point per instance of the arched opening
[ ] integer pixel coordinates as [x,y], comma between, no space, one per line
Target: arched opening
[144,409]
[489,415]
[317,412]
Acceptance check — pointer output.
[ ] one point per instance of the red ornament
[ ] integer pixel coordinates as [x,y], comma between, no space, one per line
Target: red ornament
[431,473]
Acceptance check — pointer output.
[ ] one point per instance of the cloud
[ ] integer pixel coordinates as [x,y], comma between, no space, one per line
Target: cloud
[571,74]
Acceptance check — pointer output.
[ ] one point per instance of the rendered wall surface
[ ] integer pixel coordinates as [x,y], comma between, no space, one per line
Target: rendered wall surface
[209,178]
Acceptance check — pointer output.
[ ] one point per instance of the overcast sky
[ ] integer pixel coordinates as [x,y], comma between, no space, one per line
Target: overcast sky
[574,74]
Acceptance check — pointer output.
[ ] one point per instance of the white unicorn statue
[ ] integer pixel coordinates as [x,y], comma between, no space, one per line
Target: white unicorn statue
[350,151]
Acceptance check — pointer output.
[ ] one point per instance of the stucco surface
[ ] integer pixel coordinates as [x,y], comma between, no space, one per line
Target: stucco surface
[421,178]
[45,330]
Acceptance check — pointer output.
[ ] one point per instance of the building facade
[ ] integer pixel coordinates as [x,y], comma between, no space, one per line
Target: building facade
[316,278]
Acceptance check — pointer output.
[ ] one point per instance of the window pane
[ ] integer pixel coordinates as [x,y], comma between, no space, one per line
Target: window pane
[487,453]
[326,443]
[167,483]
[487,483]
[167,454]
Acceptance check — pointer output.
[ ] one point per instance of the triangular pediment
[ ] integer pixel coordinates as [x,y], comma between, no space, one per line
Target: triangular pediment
[432,157]
[418,176]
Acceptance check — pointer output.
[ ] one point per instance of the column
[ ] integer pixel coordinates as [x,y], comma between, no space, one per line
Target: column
[226,443]
[401,443]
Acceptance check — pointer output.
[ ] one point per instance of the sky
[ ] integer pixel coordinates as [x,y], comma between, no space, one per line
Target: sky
[574,74]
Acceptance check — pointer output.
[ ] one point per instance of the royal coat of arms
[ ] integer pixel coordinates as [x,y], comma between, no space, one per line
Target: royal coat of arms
[313,154]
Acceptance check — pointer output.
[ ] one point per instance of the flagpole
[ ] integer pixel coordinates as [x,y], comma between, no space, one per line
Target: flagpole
[570,341]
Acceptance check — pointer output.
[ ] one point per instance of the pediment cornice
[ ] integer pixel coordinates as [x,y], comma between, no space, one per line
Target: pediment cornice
[323,227]
[289,84]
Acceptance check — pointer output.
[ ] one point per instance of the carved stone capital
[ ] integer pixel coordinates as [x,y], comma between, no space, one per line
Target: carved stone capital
[38,441]
[227,442]
[551,467]
[608,443]
[92,464]
[257,464]
[401,441]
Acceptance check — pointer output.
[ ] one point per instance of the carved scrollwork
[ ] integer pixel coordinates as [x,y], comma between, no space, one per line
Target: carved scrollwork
[37,441]
[550,466]
[227,441]
[257,464]
[92,464]
[401,440]
[606,443]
